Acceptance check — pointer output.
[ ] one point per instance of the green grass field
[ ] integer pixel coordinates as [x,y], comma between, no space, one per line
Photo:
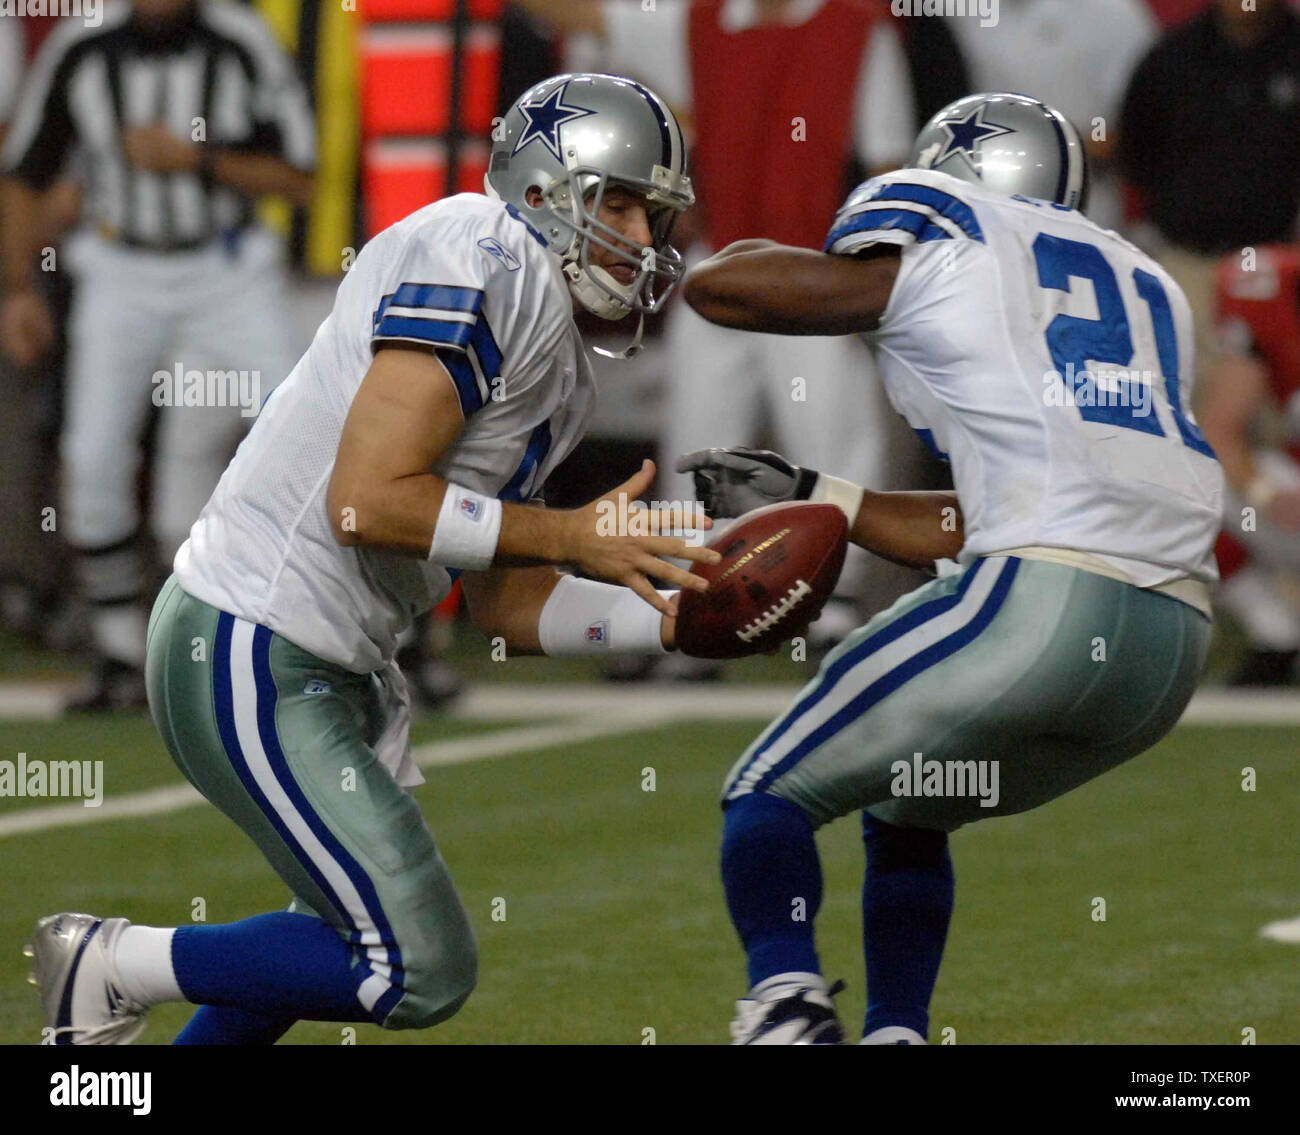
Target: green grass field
[614,915]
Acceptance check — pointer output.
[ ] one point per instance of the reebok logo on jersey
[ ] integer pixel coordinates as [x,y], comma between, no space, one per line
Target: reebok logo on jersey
[496,249]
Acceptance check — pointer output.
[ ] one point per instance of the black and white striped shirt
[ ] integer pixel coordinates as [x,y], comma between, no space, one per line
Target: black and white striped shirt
[217,75]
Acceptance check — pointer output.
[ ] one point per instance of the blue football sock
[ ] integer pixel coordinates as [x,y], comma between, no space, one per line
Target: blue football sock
[214,1024]
[907,898]
[282,965]
[769,863]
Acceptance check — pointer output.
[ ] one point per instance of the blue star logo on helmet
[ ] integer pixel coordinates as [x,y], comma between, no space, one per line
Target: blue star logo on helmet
[965,134]
[544,120]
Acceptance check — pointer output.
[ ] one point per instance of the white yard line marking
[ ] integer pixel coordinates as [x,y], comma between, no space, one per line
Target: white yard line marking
[578,712]
[41,701]
[458,750]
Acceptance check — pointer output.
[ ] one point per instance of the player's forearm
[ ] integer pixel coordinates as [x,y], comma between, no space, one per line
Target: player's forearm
[508,602]
[20,231]
[912,528]
[787,291]
[540,611]
[258,175]
[402,515]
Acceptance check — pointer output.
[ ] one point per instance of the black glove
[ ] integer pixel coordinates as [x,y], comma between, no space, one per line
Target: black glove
[737,480]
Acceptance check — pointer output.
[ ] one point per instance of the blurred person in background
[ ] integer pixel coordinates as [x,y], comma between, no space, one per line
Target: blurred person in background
[787,102]
[1251,416]
[33,577]
[11,69]
[184,112]
[1210,138]
[1079,59]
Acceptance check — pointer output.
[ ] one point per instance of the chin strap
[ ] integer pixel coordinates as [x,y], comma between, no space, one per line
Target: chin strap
[597,301]
[633,348]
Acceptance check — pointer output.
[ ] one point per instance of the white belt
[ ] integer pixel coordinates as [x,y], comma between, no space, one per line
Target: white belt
[1194,592]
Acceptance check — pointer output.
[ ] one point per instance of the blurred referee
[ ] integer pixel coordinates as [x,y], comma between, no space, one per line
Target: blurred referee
[181,113]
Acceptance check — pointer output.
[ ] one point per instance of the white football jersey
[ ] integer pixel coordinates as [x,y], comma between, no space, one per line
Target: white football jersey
[1051,362]
[469,279]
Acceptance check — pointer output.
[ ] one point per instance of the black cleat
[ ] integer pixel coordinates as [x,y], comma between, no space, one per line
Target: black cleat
[807,1016]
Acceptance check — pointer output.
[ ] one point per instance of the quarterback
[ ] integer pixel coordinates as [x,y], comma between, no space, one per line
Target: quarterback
[405,448]
[1070,632]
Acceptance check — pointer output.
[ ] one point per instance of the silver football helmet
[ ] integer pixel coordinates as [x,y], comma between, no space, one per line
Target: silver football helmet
[1010,143]
[571,136]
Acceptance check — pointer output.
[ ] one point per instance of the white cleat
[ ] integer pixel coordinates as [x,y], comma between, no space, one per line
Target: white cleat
[802,1014]
[893,1034]
[1287,930]
[78,982]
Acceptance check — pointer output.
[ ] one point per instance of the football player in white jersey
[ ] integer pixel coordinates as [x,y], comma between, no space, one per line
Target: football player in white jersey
[404,448]
[1049,361]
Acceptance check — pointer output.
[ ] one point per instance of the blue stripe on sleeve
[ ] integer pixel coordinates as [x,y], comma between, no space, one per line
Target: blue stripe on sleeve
[885,220]
[440,332]
[444,296]
[462,375]
[945,204]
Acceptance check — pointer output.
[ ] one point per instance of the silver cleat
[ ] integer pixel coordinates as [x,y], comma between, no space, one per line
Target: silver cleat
[78,983]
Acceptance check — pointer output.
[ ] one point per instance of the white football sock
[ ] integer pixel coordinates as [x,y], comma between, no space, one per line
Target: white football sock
[893,1034]
[143,960]
[786,985]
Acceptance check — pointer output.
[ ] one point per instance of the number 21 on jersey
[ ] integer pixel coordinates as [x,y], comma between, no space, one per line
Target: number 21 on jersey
[1074,341]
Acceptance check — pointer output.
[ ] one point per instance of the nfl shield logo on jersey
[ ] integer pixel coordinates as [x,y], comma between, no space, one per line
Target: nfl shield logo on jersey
[598,632]
[470,509]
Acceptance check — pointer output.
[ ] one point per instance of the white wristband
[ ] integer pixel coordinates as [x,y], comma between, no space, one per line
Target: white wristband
[837,491]
[468,527]
[584,616]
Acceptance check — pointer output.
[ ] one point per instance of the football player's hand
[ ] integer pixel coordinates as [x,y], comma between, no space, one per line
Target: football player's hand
[736,480]
[668,625]
[613,539]
[26,328]
[157,149]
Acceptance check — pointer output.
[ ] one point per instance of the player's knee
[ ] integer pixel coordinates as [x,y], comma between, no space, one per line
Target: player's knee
[891,848]
[436,987]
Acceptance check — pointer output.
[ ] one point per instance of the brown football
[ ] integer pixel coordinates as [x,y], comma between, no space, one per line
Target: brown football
[779,565]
